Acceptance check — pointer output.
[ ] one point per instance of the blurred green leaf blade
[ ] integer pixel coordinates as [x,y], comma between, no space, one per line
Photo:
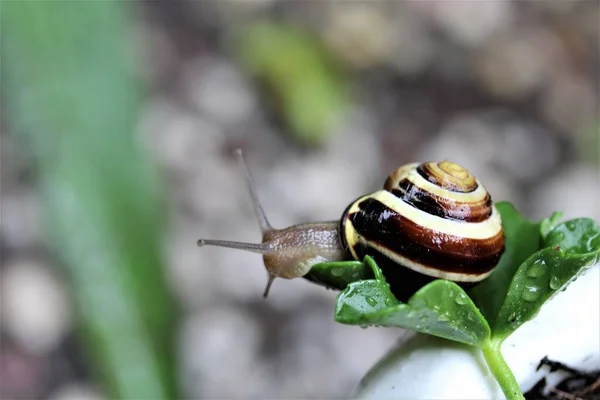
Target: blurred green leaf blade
[72,96]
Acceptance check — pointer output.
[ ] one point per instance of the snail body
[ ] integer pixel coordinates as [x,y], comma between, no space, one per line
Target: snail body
[430,221]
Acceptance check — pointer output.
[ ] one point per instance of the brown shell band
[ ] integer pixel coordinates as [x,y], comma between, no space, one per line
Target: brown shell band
[443,207]
[382,227]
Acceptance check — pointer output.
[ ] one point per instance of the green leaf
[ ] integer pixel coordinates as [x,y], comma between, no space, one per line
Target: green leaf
[441,308]
[550,223]
[522,240]
[338,274]
[577,236]
[70,94]
[575,246]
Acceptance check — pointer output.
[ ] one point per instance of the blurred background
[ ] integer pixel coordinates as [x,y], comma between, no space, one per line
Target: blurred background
[119,121]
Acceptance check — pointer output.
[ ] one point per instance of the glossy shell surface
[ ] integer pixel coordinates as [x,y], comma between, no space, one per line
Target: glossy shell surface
[431,220]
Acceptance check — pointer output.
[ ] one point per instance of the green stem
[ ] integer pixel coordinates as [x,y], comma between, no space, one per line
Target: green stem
[501,370]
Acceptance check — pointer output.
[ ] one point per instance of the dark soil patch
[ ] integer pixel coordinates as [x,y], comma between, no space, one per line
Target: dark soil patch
[577,386]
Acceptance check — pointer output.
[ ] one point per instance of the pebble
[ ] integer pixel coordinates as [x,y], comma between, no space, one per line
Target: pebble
[571,104]
[218,349]
[21,225]
[574,191]
[35,308]
[218,89]
[76,391]
[470,24]
[360,33]
[512,66]
[412,48]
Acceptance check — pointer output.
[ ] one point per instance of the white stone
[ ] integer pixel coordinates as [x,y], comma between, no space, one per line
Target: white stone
[21,222]
[76,391]
[35,308]
[359,32]
[218,89]
[471,23]
[575,191]
[219,355]
[566,329]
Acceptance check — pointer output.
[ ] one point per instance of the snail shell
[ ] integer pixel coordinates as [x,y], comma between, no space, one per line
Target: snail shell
[431,220]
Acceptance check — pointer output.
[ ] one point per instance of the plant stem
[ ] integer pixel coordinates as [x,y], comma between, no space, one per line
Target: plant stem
[501,370]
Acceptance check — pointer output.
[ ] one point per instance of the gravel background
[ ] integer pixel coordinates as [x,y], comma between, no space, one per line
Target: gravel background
[509,89]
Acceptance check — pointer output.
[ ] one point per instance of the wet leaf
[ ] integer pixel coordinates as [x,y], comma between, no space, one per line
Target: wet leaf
[575,245]
[550,223]
[441,308]
[522,240]
[338,274]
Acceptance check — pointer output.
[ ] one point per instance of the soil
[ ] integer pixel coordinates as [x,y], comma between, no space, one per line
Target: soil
[577,386]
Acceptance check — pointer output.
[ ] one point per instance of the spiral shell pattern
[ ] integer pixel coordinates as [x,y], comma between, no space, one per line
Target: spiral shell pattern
[434,219]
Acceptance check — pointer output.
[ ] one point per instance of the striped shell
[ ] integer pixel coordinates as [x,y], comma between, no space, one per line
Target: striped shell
[431,220]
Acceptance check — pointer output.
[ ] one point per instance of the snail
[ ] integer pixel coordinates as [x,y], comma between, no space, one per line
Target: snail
[431,220]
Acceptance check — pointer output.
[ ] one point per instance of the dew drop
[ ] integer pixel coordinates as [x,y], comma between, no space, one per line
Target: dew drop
[372,302]
[554,283]
[460,299]
[337,272]
[423,318]
[443,318]
[571,226]
[512,317]
[389,302]
[537,269]
[531,293]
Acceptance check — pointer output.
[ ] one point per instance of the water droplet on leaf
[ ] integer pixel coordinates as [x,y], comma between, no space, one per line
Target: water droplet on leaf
[389,302]
[537,269]
[443,318]
[461,299]
[372,302]
[337,272]
[512,317]
[531,293]
[423,318]
[554,283]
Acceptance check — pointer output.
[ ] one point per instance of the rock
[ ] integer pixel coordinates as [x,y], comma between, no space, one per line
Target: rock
[571,103]
[360,33]
[470,24]
[412,48]
[574,191]
[218,90]
[219,355]
[21,225]
[76,391]
[513,65]
[35,308]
